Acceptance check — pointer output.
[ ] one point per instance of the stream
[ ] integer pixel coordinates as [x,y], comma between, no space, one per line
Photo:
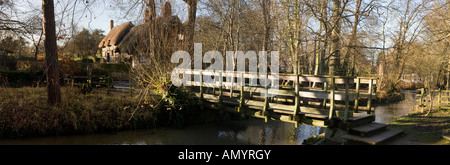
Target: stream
[245,132]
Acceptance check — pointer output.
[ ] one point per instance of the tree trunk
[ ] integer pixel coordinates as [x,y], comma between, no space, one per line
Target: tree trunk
[190,25]
[352,42]
[335,38]
[448,43]
[51,54]
[265,5]
[324,14]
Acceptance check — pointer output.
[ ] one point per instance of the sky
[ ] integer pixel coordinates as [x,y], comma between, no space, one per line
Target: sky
[96,14]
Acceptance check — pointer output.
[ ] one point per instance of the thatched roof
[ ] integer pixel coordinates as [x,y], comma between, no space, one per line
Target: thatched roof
[137,38]
[116,35]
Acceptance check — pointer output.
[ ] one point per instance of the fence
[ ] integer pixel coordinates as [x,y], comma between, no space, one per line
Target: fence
[427,98]
[103,80]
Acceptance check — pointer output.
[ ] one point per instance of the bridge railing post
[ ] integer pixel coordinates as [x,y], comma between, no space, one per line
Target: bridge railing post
[422,91]
[369,99]
[347,106]
[242,99]
[266,99]
[201,89]
[325,86]
[232,83]
[356,97]
[297,95]
[331,96]
[220,89]
[439,100]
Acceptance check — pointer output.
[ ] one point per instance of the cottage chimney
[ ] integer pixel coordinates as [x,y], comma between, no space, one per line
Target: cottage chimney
[111,24]
[167,9]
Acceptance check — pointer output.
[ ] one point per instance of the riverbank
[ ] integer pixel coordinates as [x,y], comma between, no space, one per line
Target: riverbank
[423,130]
[419,129]
[25,113]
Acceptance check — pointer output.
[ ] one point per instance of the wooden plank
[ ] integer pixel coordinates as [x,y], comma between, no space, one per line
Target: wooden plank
[375,139]
[289,77]
[324,79]
[355,121]
[367,81]
[290,108]
[368,129]
[315,116]
[339,96]
[341,107]
[310,119]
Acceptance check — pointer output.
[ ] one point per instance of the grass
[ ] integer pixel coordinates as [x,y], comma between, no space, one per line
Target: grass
[422,129]
[24,113]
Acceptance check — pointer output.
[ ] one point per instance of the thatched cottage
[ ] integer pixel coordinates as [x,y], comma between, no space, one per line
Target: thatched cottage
[109,45]
[129,43]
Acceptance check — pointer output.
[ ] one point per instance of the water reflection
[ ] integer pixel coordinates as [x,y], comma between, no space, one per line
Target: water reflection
[253,131]
[387,113]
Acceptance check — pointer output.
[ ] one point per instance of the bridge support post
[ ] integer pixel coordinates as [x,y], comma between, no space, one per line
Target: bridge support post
[347,113]
[369,99]
[266,99]
[422,91]
[201,90]
[242,99]
[231,80]
[358,82]
[325,86]
[439,100]
[297,100]
[332,110]
[220,89]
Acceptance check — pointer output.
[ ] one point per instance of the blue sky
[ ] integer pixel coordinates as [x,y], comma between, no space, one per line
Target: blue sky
[96,13]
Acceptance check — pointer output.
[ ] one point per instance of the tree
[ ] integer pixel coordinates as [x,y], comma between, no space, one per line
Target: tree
[51,54]
[15,44]
[409,26]
[84,44]
[335,38]
[189,26]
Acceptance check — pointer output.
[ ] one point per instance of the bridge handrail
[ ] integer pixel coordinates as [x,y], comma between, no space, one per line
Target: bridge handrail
[331,94]
[280,76]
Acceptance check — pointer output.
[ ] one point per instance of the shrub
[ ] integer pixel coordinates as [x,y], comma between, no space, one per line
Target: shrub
[24,113]
[24,78]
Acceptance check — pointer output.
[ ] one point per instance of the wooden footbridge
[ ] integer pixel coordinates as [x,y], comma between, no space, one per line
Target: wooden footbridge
[342,104]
